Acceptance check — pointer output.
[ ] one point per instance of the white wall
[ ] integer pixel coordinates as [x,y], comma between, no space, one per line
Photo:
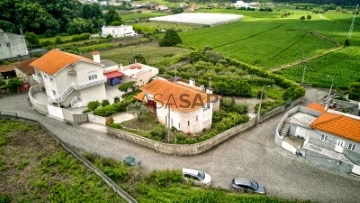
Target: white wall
[117,31]
[190,122]
[12,45]
[93,93]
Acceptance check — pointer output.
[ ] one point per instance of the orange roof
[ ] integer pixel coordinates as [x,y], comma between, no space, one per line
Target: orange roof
[55,60]
[140,96]
[25,67]
[179,97]
[338,124]
[317,107]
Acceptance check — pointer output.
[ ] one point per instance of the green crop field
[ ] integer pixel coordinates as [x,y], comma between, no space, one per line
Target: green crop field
[267,40]
[342,65]
[152,52]
[134,16]
[153,26]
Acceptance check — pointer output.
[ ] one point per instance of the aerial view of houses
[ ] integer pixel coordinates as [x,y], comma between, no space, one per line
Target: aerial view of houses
[178,101]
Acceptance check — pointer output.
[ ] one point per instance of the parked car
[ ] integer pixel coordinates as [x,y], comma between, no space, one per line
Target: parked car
[248,185]
[197,175]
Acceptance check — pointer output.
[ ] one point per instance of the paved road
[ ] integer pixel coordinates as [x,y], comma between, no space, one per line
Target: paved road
[251,154]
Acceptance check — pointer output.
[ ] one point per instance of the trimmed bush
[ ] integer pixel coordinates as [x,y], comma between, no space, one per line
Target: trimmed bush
[105,102]
[93,105]
[125,86]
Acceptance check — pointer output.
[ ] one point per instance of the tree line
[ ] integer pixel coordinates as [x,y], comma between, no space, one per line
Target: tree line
[337,2]
[50,17]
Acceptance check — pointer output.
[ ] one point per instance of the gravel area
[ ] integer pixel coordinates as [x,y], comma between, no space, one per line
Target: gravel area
[251,154]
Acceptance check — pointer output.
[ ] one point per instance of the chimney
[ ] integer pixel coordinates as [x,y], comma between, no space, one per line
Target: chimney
[192,82]
[209,90]
[96,56]
[121,67]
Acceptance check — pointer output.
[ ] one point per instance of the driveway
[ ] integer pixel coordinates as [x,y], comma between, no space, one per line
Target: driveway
[250,154]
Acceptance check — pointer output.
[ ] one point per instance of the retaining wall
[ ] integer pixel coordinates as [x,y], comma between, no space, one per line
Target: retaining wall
[182,149]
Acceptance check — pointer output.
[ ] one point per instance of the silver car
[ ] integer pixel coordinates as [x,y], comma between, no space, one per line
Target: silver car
[197,175]
[248,185]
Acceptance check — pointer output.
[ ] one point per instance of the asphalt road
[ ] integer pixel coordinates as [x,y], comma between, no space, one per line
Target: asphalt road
[250,154]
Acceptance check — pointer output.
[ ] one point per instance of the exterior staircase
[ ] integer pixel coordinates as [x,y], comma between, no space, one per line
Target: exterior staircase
[285,129]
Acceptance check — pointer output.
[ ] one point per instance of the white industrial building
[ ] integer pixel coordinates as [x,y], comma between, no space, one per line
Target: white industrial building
[12,45]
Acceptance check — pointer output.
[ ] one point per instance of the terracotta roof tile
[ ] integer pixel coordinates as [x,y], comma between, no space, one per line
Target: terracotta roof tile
[25,67]
[338,124]
[140,96]
[55,60]
[6,68]
[317,107]
[180,97]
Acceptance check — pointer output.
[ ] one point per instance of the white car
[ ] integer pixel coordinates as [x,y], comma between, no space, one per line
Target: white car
[197,175]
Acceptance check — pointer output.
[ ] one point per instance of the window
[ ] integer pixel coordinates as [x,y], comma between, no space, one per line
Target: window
[324,137]
[51,79]
[8,44]
[351,147]
[340,143]
[92,75]
[188,123]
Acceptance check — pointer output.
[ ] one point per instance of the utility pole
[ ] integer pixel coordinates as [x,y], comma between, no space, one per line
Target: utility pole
[168,136]
[332,83]
[303,76]
[352,24]
[259,109]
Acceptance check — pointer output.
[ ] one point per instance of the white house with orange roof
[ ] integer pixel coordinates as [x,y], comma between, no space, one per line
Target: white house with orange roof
[327,137]
[69,79]
[186,107]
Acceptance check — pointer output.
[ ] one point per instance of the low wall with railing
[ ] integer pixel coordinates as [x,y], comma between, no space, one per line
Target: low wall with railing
[182,149]
[42,108]
[48,109]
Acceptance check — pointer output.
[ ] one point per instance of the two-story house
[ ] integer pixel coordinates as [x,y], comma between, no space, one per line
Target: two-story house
[69,79]
[183,106]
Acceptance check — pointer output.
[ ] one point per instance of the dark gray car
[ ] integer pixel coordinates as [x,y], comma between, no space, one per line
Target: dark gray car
[248,185]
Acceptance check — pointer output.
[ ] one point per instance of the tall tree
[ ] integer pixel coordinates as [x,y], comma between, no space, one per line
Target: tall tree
[171,38]
[112,16]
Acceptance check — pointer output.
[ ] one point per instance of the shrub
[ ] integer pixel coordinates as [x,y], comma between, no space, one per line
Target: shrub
[93,105]
[166,177]
[105,102]
[116,99]
[105,111]
[267,106]
[2,82]
[158,133]
[14,84]
[354,91]
[125,86]
[87,111]
[116,125]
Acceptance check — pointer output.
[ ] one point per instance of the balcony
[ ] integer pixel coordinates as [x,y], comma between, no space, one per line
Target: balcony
[89,84]
[38,79]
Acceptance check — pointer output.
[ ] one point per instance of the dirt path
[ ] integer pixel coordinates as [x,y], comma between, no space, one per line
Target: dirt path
[306,60]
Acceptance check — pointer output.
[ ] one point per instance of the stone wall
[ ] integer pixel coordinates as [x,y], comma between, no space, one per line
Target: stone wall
[182,149]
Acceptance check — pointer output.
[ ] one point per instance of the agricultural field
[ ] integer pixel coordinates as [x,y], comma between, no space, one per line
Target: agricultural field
[266,40]
[342,65]
[34,168]
[153,54]
[132,17]
[158,26]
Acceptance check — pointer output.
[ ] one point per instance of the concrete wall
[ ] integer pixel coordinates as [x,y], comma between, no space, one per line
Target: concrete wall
[183,149]
[96,119]
[271,113]
[41,108]
[324,161]
[12,45]
[93,93]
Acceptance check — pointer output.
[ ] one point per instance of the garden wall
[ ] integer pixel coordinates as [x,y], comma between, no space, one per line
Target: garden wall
[182,149]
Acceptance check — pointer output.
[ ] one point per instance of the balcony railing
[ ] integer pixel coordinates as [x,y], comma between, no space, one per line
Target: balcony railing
[73,87]
[38,79]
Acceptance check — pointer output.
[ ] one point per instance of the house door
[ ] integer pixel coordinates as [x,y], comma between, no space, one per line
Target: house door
[339,147]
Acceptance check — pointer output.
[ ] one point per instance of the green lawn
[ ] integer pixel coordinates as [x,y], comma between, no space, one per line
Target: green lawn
[153,26]
[267,40]
[152,52]
[35,168]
